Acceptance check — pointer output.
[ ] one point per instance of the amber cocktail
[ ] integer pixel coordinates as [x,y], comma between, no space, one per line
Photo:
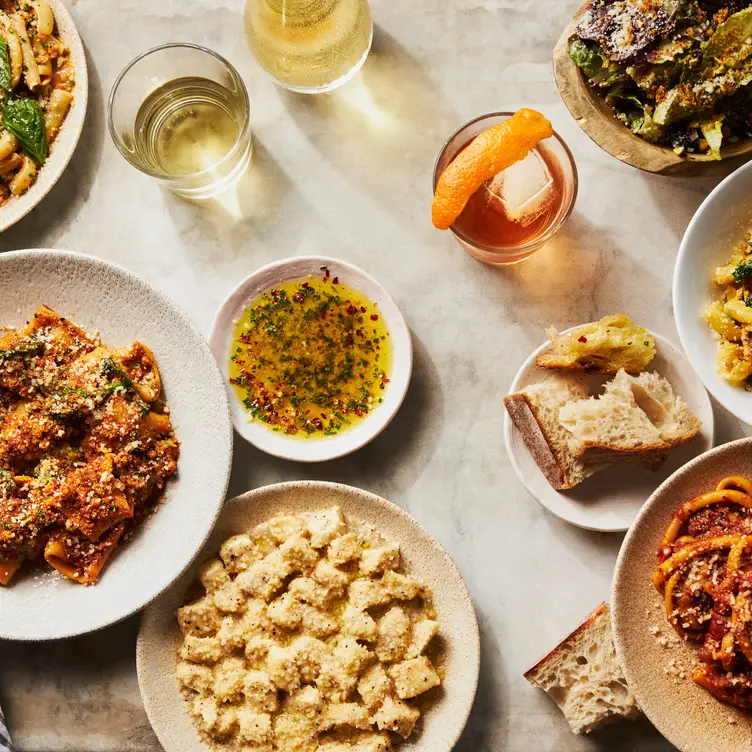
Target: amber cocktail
[516,212]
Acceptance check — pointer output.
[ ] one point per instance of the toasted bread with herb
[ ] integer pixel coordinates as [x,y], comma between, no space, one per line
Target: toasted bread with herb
[604,346]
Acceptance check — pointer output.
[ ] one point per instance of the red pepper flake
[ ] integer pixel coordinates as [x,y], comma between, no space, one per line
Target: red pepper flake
[323,415]
[374,317]
[298,297]
[335,281]
[351,309]
[362,309]
[582,339]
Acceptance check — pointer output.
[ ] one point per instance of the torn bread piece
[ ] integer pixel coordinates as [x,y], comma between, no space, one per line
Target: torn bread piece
[637,418]
[583,676]
[534,411]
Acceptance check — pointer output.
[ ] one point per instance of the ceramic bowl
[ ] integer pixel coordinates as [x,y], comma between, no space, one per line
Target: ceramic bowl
[64,145]
[687,715]
[422,556]
[597,119]
[718,225]
[609,500]
[320,448]
[40,604]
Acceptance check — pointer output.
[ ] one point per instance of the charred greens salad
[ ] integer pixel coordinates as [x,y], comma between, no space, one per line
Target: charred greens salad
[676,72]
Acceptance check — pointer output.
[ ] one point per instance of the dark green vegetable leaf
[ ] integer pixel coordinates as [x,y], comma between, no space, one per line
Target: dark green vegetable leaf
[743,271]
[4,66]
[597,68]
[24,118]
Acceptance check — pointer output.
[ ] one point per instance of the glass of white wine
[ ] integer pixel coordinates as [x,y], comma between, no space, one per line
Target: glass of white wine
[309,46]
[180,113]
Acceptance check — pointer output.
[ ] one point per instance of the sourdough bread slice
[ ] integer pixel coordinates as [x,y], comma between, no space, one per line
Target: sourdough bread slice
[637,419]
[535,413]
[583,676]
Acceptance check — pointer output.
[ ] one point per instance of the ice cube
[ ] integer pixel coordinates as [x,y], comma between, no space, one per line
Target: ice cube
[523,191]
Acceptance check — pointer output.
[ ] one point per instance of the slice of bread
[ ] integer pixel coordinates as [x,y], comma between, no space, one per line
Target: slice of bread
[637,419]
[583,676]
[535,413]
[602,346]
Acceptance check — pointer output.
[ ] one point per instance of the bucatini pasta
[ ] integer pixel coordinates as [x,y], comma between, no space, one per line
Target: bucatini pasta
[36,87]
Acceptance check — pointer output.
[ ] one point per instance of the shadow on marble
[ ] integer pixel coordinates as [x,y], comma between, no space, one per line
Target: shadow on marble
[479,735]
[47,222]
[251,207]
[392,461]
[82,690]
[390,121]
[581,271]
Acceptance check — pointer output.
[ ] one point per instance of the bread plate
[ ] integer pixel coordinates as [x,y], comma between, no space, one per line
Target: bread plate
[609,500]
[687,715]
[39,603]
[67,138]
[160,637]
[319,448]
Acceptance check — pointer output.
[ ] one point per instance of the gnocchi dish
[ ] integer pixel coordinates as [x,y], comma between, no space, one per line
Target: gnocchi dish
[308,637]
[86,446]
[730,315]
[37,81]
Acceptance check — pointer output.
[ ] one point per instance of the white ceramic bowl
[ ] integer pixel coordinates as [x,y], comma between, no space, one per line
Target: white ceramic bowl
[720,223]
[422,556]
[64,145]
[610,500]
[319,448]
[40,604]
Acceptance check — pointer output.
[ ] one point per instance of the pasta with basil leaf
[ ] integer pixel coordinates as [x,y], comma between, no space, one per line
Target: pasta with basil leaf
[36,89]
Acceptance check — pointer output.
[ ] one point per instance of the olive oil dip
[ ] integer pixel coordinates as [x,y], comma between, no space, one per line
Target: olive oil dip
[310,357]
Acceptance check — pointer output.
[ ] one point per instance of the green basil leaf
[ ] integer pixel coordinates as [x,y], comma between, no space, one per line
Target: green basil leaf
[4,66]
[25,120]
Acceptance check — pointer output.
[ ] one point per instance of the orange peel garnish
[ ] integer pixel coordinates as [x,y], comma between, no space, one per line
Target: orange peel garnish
[485,156]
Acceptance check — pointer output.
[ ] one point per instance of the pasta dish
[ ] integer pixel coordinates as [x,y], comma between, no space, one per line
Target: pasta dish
[705,576]
[731,315]
[308,637]
[36,82]
[86,446]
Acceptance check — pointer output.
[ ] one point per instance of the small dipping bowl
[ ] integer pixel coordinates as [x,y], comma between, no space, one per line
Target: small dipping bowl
[318,448]
[556,149]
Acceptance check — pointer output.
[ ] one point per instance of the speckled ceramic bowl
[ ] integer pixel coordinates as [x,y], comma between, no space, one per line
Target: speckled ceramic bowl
[40,604]
[64,145]
[422,556]
[687,715]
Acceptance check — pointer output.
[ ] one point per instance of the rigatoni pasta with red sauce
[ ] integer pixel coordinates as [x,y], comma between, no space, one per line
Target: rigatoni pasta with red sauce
[86,446]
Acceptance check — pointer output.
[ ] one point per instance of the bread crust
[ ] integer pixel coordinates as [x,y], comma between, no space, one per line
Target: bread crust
[522,412]
[586,624]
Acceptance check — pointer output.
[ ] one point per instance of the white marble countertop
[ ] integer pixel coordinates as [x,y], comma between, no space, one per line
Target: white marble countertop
[349,175]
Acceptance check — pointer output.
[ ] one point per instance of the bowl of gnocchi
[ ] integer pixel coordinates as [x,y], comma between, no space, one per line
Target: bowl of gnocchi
[44,80]
[318,617]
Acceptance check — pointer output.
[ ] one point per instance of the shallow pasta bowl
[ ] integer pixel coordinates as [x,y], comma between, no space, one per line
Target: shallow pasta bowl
[687,715]
[39,603]
[597,119]
[315,448]
[422,556]
[62,148]
[722,220]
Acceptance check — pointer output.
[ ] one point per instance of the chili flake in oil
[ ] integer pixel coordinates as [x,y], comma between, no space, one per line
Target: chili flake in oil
[310,357]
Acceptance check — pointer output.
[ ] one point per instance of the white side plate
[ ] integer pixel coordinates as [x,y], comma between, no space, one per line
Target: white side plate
[609,500]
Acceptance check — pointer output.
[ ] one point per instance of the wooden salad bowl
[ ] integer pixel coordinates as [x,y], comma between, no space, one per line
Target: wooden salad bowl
[597,119]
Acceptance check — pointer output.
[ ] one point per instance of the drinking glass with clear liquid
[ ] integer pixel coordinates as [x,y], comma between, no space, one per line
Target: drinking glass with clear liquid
[181,114]
[309,46]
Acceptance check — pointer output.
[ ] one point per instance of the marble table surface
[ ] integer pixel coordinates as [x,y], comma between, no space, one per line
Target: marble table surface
[349,175]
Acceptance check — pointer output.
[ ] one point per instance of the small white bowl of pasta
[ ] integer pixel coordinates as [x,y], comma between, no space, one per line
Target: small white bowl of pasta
[711,241]
[43,72]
